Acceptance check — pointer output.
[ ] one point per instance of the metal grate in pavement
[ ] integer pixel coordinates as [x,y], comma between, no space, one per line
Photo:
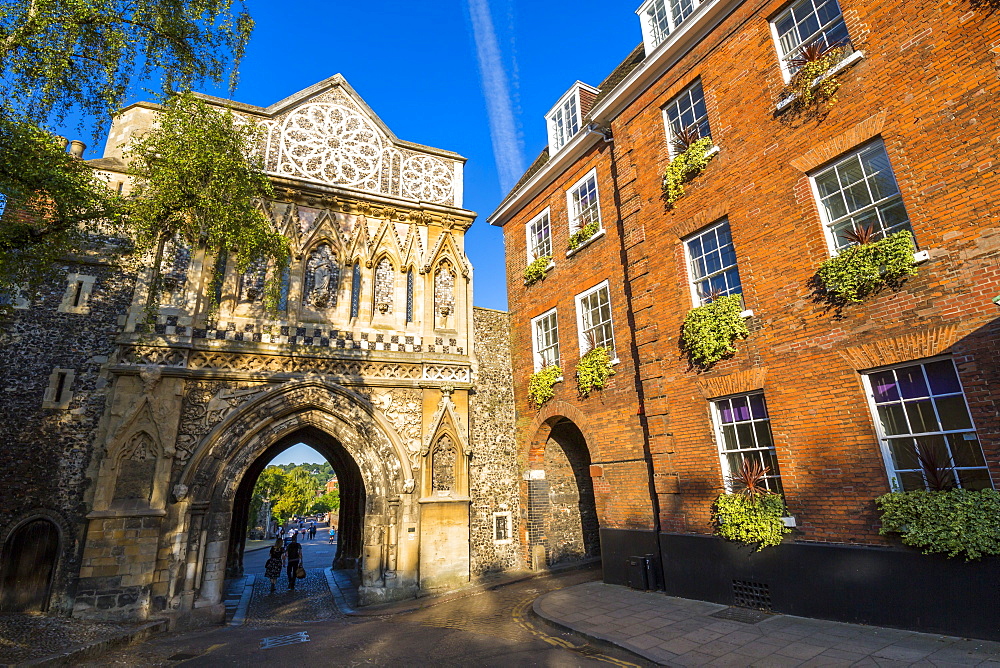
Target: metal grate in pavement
[281,641]
[741,615]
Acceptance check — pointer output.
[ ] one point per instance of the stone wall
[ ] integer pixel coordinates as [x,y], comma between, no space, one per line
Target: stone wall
[47,450]
[494,468]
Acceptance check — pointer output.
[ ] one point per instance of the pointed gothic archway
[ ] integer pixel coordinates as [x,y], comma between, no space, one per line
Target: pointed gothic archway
[349,431]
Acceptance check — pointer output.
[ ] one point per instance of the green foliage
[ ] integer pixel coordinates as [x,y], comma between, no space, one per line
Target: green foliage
[709,331]
[684,167]
[805,91]
[54,203]
[860,270]
[536,270]
[593,370]
[196,181]
[326,503]
[581,235]
[956,521]
[747,520]
[57,55]
[541,383]
[297,496]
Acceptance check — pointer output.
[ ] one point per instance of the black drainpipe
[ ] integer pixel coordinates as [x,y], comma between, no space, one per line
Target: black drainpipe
[654,497]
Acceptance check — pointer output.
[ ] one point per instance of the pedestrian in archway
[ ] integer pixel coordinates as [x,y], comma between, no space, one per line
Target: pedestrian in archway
[275,560]
[294,556]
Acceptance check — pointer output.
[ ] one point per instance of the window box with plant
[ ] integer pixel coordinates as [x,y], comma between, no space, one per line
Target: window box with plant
[816,81]
[863,268]
[710,331]
[597,343]
[541,384]
[593,370]
[753,515]
[693,153]
[537,269]
[583,235]
[944,517]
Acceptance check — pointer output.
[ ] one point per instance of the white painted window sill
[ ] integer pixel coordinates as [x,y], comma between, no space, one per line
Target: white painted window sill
[747,313]
[551,265]
[789,521]
[615,362]
[597,235]
[712,151]
[839,67]
[921,256]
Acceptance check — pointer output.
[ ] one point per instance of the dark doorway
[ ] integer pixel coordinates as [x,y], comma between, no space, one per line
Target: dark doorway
[352,498]
[562,503]
[28,564]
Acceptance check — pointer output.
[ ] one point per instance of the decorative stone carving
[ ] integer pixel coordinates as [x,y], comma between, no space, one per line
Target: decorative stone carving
[384,286]
[426,178]
[443,466]
[174,267]
[322,278]
[404,409]
[444,290]
[330,143]
[252,282]
[205,405]
[180,492]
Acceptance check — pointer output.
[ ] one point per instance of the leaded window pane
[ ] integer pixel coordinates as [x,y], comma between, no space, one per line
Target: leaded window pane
[546,341]
[687,109]
[409,296]
[595,321]
[539,237]
[712,259]
[585,207]
[807,22]
[356,291]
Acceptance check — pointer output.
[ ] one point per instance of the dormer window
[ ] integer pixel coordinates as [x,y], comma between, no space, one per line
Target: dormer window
[565,119]
[660,17]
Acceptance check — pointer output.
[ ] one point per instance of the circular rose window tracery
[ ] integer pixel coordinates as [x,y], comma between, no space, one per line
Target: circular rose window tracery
[426,178]
[332,143]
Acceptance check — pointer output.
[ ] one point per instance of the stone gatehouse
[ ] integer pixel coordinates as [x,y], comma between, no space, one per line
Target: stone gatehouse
[134,448]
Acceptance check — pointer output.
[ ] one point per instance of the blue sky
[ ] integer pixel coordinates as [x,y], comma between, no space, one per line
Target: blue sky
[415,64]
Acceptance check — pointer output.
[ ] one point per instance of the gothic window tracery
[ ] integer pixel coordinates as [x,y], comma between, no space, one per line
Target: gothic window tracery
[174,265]
[322,278]
[409,295]
[136,466]
[444,290]
[356,291]
[443,465]
[384,286]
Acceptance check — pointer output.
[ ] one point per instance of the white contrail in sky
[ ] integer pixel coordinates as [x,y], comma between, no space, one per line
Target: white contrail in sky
[499,106]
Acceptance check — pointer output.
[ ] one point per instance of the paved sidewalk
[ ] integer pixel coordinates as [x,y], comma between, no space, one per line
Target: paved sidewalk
[38,640]
[681,632]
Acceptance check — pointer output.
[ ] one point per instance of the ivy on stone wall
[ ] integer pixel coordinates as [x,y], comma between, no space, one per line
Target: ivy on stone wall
[956,522]
[709,331]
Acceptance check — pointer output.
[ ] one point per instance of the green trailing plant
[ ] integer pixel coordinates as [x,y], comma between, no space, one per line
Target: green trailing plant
[954,522]
[581,235]
[752,514]
[685,166]
[593,370]
[813,83]
[709,331]
[535,271]
[862,269]
[541,384]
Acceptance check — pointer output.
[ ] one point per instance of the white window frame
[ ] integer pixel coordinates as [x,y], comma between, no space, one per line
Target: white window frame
[506,515]
[883,440]
[696,298]
[783,57]
[536,352]
[569,103]
[653,33]
[571,207]
[720,438]
[672,151]
[529,237]
[581,333]
[831,239]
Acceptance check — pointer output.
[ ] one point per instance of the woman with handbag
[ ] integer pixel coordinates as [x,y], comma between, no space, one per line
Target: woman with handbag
[295,567]
[272,567]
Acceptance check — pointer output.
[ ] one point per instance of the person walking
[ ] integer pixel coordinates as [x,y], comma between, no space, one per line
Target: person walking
[294,556]
[275,560]
[312,531]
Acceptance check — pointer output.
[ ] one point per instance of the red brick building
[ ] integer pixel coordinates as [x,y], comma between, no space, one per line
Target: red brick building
[834,399]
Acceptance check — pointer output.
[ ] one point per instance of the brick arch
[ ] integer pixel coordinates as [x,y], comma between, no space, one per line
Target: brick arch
[539,429]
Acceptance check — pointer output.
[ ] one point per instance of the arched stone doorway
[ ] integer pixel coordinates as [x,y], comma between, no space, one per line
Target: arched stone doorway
[562,521]
[352,498]
[27,566]
[343,426]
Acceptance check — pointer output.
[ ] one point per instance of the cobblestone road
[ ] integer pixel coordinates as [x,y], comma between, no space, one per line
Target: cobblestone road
[24,637]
